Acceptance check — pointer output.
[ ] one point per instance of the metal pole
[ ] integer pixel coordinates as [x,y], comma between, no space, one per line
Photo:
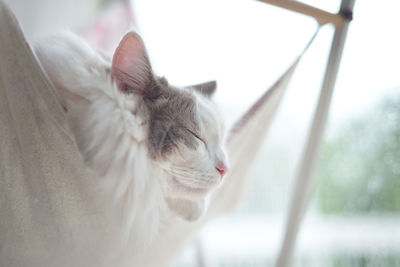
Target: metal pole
[310,156]
[322,16]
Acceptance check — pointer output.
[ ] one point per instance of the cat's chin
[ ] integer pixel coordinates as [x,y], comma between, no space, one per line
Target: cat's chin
[189,210]
[180,190]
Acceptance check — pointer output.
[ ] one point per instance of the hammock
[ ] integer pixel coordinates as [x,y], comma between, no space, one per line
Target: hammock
[51,211]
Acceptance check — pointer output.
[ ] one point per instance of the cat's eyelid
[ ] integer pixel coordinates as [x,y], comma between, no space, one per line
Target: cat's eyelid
[197,136]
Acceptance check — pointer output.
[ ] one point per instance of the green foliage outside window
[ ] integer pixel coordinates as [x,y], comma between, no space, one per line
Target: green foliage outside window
[360,167]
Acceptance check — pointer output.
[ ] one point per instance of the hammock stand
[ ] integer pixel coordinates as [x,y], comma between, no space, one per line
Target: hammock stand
[50,209]
[308,160]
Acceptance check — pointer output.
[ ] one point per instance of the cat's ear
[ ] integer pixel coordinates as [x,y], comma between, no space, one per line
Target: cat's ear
[207,89]
[131,67]
[188,210]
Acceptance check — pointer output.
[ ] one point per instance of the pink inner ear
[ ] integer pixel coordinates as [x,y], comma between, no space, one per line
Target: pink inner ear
[130,66]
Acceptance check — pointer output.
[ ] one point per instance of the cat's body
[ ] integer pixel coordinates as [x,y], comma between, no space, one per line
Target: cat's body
[157,148]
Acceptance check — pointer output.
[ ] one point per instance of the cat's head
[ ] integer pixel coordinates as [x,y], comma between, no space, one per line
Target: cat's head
[184,133]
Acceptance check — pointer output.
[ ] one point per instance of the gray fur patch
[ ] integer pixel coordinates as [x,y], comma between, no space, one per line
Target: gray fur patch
[172,120]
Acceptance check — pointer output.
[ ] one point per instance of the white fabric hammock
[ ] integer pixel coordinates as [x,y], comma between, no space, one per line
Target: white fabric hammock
[51,209]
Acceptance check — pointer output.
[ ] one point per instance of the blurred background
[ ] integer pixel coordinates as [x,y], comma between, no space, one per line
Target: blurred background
[353,218]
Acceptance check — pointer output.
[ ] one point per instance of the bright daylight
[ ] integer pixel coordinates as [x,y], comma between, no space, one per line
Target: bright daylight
[293,161]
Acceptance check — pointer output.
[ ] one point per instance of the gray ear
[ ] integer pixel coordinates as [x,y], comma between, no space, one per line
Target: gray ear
[207,88]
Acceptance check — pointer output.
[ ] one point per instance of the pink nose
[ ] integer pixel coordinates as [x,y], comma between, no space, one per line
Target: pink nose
[221,169]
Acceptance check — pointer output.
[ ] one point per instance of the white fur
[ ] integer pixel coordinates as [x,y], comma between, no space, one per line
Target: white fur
[112,141]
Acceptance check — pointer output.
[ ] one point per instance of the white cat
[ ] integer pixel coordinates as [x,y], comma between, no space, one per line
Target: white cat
[158,148]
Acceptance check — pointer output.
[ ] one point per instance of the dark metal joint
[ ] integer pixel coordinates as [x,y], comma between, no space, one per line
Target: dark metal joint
[347,14]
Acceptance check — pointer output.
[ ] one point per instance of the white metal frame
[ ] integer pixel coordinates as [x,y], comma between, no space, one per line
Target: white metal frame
[302,188]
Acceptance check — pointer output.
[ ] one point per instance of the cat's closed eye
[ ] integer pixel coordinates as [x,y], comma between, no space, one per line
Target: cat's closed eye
[197,136]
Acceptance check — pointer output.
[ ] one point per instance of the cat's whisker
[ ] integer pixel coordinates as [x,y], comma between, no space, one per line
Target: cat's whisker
[194,180]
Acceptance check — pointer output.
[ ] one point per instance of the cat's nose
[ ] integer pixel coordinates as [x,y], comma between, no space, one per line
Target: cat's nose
[222,169]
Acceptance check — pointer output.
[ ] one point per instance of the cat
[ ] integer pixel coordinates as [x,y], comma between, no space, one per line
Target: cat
[159,149]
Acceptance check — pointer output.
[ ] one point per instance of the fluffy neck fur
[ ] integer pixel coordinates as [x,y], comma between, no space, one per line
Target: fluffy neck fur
[117,150]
